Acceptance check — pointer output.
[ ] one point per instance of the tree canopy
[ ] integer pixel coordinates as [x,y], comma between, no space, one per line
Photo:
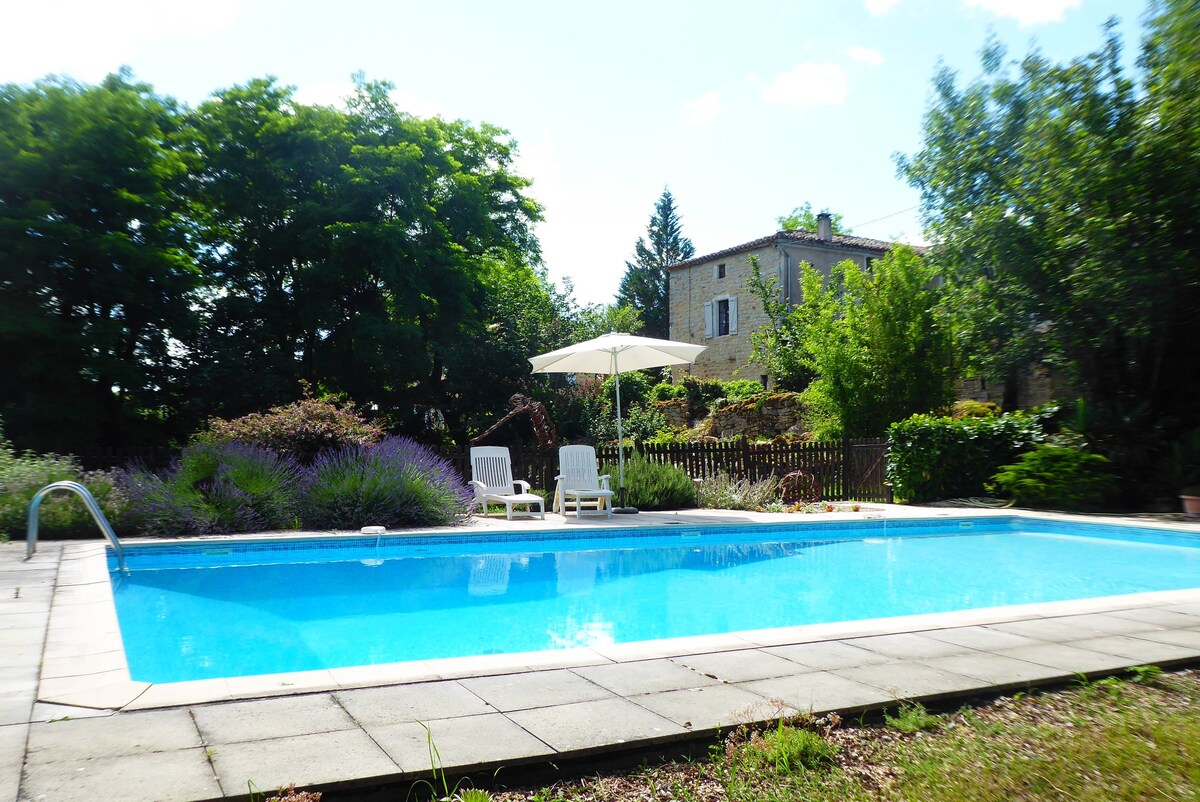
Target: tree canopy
[866,346]
[162,264]
[1063,203]
[645,285]
[803,217]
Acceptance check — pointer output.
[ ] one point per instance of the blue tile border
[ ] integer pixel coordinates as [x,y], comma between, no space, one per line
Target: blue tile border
[219,553]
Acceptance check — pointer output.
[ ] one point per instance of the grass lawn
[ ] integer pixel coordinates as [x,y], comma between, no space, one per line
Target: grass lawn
[1133,738]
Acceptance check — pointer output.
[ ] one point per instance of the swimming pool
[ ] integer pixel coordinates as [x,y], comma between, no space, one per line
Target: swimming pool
[223,609]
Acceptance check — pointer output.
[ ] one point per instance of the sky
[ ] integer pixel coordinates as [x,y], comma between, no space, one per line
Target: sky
[743,110]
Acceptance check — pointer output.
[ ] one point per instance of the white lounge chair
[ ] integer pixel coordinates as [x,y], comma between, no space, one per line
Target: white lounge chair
[491,476]
[579,481]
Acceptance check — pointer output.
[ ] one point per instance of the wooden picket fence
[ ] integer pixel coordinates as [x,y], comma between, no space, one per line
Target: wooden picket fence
[851,469]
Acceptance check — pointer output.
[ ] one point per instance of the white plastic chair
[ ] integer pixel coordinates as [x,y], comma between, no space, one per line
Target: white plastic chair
[491,476]
[579,481]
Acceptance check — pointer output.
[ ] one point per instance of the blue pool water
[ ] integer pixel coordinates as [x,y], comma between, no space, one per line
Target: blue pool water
[196,611]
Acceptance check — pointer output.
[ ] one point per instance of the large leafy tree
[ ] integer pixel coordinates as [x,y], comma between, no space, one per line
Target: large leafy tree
[1064,201]
[803,217]
[645,286]
[867,345]
[360,251]
[97,280]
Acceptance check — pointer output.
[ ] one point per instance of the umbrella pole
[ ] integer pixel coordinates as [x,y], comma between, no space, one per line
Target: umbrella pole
[620,446]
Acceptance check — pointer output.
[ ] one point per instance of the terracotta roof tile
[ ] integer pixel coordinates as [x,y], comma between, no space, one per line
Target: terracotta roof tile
[796,236]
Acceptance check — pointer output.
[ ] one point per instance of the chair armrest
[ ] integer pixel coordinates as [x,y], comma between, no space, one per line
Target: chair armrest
[524,485]
[604,481]
[478,485]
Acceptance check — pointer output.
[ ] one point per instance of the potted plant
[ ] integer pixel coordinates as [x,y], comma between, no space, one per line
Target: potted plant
[1185,465]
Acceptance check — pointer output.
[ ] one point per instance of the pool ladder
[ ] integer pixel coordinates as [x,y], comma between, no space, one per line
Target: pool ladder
[31,523]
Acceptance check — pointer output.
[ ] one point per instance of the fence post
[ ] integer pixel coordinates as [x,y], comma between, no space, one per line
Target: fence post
[847,468]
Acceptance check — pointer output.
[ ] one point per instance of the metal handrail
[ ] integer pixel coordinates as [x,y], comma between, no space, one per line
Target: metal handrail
[31,524]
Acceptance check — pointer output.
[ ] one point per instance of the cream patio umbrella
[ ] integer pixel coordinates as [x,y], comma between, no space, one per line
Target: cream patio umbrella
[610,354]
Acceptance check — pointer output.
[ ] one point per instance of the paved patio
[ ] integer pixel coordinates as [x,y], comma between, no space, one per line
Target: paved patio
[73,726]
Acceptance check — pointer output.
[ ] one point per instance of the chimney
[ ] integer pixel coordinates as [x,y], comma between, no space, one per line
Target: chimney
[825,227]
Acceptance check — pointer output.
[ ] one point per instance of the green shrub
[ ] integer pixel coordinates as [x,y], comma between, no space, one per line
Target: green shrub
[741,389]
[701,393]
[635,389]
[395,483]
[667,392]
[1054,477]
[974,409]
[787,750]
[722,492]
[638,423]
[301,429]
[933,458]
[61,514]
[653,485]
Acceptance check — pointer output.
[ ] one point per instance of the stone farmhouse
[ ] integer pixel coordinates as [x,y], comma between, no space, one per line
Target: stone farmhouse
[712,304]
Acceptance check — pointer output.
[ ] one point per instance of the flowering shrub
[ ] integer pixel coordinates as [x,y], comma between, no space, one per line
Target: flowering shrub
[215,489]
[723,492]
[235,487]
[397,482]
[301,429]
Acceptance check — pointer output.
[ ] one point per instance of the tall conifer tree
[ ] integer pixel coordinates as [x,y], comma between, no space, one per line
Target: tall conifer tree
[644,285]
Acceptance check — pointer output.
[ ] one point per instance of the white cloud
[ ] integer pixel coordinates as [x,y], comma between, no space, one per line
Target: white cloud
[88,40]
[1027,12]
[809,85]
[865,55]
[703,109]
[877,7]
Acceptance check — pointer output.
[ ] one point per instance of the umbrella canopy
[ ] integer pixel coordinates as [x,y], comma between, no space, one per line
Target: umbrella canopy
[610,354]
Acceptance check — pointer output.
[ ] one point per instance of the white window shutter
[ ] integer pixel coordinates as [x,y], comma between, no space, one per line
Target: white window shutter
[732,315]
[708,318]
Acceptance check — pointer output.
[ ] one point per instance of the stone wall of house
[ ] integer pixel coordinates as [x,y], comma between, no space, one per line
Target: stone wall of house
[727,357]
[766,416]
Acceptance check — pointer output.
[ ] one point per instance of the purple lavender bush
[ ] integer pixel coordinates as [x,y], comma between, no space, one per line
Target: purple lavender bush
[395,483]
[214,489]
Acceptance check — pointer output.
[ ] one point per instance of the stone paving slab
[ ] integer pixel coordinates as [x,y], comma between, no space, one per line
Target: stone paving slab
[477,741]
[153,777]
[827,655]
[707,708]
[739,666]
[997,671]
[912,680]
[411,703]
[588,727]
[326,759]
[1137,648]
[647,676]
[237,722]
[819,692]
[12,754]
[112,736]
[542,689]
[981,638]
[1067,657]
